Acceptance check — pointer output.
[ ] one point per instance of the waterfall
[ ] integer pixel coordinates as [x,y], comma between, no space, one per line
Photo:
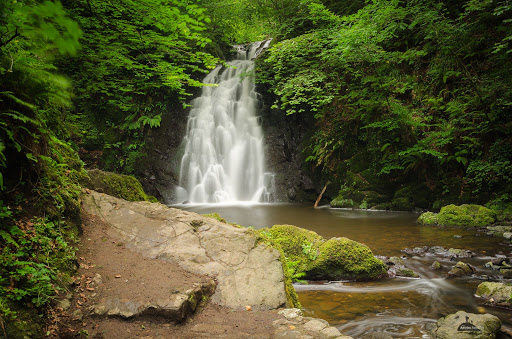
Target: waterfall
[224,159]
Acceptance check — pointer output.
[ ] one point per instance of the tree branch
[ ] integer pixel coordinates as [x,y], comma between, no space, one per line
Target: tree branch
[16,34]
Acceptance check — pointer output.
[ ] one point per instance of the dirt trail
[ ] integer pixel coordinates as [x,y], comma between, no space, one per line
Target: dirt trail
[110,270]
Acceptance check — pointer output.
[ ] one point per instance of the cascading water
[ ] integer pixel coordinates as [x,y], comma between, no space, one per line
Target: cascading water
[224,158]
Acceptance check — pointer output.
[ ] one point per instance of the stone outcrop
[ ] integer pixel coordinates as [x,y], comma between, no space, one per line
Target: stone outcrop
[177,307]
[496,294]
[247,272]
[464,325]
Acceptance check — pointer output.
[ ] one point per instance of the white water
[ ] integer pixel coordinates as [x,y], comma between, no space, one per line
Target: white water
[224,159]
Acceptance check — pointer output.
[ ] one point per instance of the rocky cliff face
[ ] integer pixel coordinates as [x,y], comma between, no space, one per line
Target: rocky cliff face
[285,137]
[159,173]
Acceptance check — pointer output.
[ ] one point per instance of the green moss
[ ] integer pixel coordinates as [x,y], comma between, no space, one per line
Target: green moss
[118,185]
[292,298]
[406,272]
[459,216]
[215,216]
[342,258]
[20,322]
[428,219]
[336,258]
[340,202]
[466,216]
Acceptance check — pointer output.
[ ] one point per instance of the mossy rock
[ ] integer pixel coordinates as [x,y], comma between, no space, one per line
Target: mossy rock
[403,200]
[118,185]
[459,216]
[342,258]
[340,202]
[316,258]
[293,241]
[292,299]
[495,293]
[466,216]
[428,219]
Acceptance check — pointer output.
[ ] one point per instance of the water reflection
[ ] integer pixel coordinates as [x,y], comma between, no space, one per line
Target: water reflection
[386,233]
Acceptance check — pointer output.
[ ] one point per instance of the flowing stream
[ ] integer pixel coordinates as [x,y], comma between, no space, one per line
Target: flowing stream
[224,159]
[400,307]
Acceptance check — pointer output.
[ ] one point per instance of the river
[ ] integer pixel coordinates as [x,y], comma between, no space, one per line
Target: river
[400,307]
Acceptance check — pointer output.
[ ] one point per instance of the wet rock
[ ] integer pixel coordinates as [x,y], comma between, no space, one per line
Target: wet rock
[460,253]
[494,293]
[461,269]
[506,272]
[416,250]
[436,265]
[397,268]
[466,326]
[439,251]
[499,231]
[215,248]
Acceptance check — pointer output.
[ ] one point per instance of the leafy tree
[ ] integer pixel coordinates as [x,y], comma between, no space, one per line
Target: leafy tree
[410,87]
[138,56]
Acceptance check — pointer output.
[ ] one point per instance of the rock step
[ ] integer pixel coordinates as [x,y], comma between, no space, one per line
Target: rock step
[177,308]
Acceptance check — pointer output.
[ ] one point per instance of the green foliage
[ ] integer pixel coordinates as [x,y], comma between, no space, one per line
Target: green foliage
[138,59]
[421,89]
[35,262]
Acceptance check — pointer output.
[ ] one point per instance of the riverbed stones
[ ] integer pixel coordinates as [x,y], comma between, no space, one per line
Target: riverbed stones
[247,272]
[463,325]
[293,325]
[397,268]
[496,294]
[436,265]
[440,251]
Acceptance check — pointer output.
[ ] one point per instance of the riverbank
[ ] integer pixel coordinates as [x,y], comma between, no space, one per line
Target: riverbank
[123,292]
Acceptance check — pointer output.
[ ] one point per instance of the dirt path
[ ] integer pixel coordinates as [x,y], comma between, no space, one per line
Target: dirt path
[110,270]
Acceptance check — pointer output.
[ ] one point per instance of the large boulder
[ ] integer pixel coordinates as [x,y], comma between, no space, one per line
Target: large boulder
[496,294]
[313,257]
[118,185]
[247,271]
[462,325]
[459,216]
